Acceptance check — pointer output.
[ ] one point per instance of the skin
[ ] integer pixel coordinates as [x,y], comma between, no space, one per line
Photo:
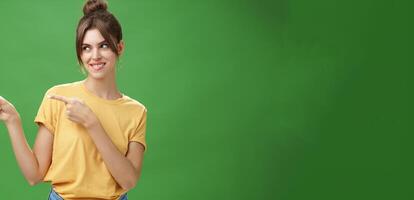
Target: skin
[125,169]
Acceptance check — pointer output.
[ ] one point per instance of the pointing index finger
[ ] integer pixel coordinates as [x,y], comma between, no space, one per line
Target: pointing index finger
[59,98]
[2,100]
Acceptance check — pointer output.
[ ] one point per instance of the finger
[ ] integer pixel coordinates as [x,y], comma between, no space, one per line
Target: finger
[77,101]
[2,100]
[59,98]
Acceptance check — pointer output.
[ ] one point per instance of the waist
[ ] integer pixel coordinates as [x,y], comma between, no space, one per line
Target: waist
[55,196]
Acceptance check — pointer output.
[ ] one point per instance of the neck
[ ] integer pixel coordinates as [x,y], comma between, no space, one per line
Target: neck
[103,88]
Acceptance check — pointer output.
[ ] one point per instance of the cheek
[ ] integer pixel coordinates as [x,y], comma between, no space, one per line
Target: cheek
[85,57]
[110,56]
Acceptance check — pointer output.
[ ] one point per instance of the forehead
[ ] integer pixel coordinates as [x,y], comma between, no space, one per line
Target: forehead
[93,36]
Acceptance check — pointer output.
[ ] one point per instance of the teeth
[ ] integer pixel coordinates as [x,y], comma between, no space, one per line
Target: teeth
[97,66]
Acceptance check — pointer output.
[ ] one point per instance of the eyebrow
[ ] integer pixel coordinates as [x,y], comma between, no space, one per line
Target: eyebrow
[98,43]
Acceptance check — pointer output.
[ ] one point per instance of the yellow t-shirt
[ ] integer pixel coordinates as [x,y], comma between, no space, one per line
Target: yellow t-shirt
[77,169]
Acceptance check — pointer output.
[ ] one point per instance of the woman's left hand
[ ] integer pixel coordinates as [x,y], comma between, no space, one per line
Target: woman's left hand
[77,111]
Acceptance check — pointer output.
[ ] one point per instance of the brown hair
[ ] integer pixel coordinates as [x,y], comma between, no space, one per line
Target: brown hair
[96,16]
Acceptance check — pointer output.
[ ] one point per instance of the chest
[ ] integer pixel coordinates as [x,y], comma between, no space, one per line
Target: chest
[118,126]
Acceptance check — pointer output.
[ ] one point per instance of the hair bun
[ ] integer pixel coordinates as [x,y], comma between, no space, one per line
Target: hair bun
[94,5]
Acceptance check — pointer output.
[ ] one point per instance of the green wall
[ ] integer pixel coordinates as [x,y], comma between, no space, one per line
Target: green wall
[247,99]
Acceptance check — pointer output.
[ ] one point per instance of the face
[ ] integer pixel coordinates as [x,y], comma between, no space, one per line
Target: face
[97,57]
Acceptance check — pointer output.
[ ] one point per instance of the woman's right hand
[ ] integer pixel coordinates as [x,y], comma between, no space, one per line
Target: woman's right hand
[8,113]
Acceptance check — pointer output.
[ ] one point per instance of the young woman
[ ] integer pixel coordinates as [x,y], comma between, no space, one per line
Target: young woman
[91,138]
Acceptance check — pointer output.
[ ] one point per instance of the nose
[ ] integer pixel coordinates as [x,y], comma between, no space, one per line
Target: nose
[96,54]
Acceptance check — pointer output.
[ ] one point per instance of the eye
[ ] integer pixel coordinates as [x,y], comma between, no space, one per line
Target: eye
[86,48]
[104,45]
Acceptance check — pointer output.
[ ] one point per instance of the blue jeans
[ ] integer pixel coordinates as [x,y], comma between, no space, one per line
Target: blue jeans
[55,196]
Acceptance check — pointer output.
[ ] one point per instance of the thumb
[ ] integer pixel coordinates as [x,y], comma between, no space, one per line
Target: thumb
[3,115]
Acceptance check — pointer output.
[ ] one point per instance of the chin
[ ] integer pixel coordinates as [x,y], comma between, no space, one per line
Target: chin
[99,75]
[96,76]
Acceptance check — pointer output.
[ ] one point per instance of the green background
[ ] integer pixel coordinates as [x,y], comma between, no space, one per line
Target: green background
[247,99]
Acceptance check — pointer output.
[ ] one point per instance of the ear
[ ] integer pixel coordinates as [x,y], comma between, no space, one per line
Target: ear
[121,46]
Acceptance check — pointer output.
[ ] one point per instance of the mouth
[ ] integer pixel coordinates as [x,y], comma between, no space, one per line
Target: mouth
[97,66]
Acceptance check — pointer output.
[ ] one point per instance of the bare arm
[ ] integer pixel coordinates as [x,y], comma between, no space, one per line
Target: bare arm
[33,164]
[125,169]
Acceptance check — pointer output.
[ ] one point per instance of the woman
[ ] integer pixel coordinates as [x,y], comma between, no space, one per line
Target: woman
[91,138]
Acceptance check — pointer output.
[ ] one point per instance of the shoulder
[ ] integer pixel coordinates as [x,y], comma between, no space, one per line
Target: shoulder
[134,104]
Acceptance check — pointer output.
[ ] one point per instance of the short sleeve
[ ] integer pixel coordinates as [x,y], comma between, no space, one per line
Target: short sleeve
[139,134]
[47,113]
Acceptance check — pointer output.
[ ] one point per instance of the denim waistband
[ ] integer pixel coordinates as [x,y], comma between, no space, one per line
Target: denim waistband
[55,196]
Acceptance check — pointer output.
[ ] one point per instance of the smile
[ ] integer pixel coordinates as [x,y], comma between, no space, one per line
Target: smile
[97,66]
